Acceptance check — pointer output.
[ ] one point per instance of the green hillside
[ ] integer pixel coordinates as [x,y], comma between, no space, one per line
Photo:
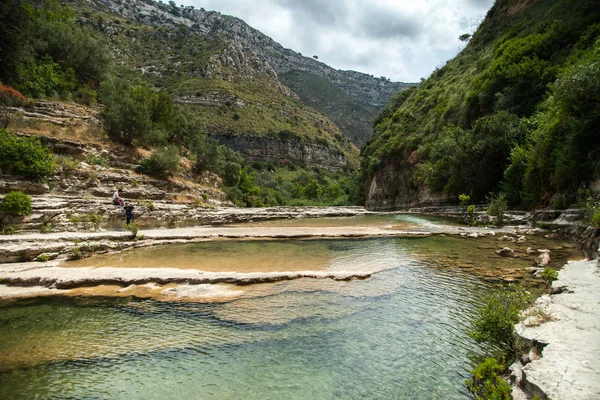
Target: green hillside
[350,116]
[516,111]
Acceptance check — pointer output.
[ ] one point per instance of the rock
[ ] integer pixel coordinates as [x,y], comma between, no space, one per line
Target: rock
[491,233]
[507,238]
[521,239]
[516,373]
[543,251]
[473,235]
[530,251]
[506,252]
[551,236]
[47,256]
[542,260]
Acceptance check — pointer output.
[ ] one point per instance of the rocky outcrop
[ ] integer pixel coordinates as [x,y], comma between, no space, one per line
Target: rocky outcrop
[568,336]
[390,188]
[292,150]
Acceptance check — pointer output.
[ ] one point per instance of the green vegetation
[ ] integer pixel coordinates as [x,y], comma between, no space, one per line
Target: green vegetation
[94,219]
[496,318]
[45,53]
[464,199]
[549,274]
[132,227]
[95,159]
[517,111]
[24,156]
[148,204]
[487,384]
[265,184]
[16,203]
[9,230]
[43,257]
[497,208]
[162,163]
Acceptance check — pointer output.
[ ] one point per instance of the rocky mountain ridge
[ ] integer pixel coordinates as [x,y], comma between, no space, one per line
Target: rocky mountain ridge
[248,52]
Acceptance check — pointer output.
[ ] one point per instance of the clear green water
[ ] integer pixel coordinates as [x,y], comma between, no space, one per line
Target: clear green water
[398,335]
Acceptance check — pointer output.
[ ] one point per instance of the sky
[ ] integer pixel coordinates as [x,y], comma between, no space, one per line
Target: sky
[403,40]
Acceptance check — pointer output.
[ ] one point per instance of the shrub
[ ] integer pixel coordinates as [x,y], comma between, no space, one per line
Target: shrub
[464,199]
[9,230]
[497,316]
[67,163]
[24,156]
[471,214]
[43,257]
[161,163]
[549,274]
[497,208]
[96,159]
[10,97]
[596,219]
[16,203]
[148,204]
[486,382]
[132,227]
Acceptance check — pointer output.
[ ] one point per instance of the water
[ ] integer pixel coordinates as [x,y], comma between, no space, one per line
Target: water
[402,334]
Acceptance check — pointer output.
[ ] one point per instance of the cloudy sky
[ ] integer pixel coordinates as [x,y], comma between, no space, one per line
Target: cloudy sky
[403,40]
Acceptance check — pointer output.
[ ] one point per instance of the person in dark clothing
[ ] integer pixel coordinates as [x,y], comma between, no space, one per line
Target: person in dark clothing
[129,212]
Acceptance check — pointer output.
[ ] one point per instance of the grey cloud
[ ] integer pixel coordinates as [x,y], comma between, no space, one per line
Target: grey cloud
[402,40]
[380,23]
[333,12]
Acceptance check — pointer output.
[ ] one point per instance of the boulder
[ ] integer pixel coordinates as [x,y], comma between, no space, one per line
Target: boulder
[506,252]
[542,260]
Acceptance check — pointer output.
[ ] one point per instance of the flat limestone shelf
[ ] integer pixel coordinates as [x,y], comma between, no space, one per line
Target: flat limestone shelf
[570,363]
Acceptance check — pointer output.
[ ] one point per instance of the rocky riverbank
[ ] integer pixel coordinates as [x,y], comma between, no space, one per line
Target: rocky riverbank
[565,327]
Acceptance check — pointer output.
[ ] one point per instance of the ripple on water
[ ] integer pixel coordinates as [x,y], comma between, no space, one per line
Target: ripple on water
[400,334]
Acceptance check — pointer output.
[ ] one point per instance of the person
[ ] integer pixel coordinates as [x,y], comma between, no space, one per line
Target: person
[129,212]
[117,201]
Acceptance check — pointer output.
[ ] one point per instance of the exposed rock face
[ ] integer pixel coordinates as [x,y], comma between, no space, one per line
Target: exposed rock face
[568,367]
[391,188]
[255,148]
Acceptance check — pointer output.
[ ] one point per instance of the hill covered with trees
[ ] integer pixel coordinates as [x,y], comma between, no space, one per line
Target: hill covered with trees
[517,112]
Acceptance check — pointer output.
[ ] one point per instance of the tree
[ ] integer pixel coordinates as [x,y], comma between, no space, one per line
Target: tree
[464,37]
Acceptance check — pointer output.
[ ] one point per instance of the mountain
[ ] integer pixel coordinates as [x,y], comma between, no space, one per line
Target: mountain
[517,112]
[196,46]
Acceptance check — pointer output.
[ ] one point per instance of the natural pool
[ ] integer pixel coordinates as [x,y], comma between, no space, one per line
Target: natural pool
[401,334]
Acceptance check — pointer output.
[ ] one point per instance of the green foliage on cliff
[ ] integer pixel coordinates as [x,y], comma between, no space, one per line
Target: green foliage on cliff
[16,203]
[516,111]
[24,156]
[44,53]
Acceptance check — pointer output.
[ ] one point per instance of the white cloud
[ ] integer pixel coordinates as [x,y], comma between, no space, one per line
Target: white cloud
[401,39]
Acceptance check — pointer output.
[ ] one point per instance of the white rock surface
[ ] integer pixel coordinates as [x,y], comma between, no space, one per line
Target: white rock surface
[570,364]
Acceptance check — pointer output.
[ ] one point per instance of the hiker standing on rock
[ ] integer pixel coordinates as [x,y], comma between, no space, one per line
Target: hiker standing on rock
[129,212]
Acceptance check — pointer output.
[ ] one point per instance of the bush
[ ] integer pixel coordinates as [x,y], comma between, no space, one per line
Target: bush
[162,163]
[487,384]
[10,97]
[497,316]
[549,274]
[24,156]
[96,159]
[132,227]
[9,230]
[16,203]
[497,208]
[464,199]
